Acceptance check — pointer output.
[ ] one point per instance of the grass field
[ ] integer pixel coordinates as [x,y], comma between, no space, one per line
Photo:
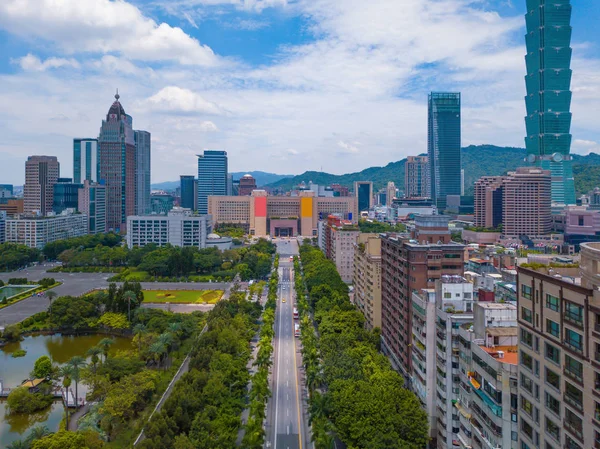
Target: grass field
[183,296]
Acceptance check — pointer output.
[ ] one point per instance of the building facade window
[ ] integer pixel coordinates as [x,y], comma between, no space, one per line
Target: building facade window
[526,315]
[574,313]
[552,379]
[553,353]
[574,340]
[553,328]
[573,367]
[552,302]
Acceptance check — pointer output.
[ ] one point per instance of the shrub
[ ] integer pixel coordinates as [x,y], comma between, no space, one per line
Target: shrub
[18,353]
[18,281]
[114,320]
[47,282]
[20,400]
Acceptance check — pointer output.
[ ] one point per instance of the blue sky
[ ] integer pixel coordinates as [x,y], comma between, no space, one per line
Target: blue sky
[282,85]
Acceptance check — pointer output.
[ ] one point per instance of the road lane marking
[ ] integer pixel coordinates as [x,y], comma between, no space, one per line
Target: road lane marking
[297,395]
[278,364]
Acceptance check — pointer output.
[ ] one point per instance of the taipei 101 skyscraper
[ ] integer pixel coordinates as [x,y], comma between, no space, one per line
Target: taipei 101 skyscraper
[548,100]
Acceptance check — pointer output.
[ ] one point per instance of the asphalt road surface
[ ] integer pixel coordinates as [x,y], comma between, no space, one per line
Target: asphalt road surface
[286,425]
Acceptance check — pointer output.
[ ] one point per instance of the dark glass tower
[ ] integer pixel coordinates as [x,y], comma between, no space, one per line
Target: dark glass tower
[187,191]
[548,100]
[443,146]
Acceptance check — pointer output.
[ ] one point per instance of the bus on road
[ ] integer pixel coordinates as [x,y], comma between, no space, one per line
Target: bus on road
[295,313]
[296,330]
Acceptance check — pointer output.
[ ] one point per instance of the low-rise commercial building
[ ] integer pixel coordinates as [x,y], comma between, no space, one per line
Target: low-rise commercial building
[37,231]
[262,214]
[179,228]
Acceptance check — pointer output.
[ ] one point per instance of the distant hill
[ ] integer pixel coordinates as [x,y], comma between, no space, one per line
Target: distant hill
[262,179]
[477,161]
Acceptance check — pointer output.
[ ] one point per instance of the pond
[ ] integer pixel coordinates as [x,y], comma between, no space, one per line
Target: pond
[60,348]
[10,290]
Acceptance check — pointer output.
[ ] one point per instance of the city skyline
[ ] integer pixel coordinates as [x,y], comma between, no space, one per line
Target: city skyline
[265,122]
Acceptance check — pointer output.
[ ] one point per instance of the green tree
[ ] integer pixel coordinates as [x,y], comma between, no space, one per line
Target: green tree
[61,440]
[42,367]
[105,344]
[20,400]
[66,371]
[94,353]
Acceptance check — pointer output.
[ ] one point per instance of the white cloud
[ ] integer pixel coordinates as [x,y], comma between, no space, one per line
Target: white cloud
[33,63]
[102,26]
[584,143]
[348,148]
[208,127]
[180,100]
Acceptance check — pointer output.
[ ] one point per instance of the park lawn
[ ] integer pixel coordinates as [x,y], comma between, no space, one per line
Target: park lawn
[183,296]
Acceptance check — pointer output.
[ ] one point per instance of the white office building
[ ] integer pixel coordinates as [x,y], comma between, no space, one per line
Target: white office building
[36,232]
[179,228]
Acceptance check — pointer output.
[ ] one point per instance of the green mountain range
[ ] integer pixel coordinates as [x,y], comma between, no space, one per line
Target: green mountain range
[477,161]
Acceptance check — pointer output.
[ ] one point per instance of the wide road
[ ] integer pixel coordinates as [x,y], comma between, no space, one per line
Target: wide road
[286,426]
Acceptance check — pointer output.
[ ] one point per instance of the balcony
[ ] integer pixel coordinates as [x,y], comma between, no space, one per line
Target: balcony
[574,429]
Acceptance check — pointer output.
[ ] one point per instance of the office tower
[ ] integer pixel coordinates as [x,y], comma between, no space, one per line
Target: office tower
[117,163]
[178,228]
[92,203]
[212,177]
[488,194]
[41,173]
[229,184]
[363,190]
[416,177]
[390,193]
[38,231]
[6,191]
[411,263]
[12,206]
[161,203]
[548,100]
[527,202]
[462,181]
[367,278]
[65,195]
[339,190]
[142,171]
[187,187]
[559,354]
[443,146]
[85,160]
[247,185]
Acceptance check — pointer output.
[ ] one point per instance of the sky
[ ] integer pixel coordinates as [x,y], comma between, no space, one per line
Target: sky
[283,86]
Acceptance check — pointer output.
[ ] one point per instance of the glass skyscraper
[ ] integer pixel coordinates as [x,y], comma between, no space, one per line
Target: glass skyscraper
[85,160]
[187,191]
[443,146]
[548,100]
[142,172]
[212,177]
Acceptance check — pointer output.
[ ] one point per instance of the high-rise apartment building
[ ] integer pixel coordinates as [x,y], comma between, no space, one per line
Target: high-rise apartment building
[41,173]
[142,171]
[247,185]
[443,146]
[212,177]
[187,187]
[559,354]
[363,190]
[92,203]
[416,177]
[367,278]
[548,100]
[85,160]
[65,195]
[117,164]
[488,194]
[342,235]
[411,263]
[390,193]
[527,203]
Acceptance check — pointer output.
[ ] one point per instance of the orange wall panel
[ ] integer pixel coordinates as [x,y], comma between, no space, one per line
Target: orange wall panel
[306,207]
[260,206]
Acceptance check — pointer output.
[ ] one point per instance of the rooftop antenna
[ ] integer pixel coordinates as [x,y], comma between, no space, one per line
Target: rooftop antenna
[117,96]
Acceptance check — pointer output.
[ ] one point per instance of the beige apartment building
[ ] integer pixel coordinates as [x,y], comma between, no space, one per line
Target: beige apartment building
[488,201]
[559,355]
[367,278]
[416,177]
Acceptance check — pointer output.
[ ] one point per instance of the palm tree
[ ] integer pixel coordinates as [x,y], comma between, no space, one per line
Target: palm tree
[76,363]
[18,444]
[139,330]
[105,344]
[129,296]
[166,340]
[157,349]
[50,294]
[66,372]
[37,433]
[94,352]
